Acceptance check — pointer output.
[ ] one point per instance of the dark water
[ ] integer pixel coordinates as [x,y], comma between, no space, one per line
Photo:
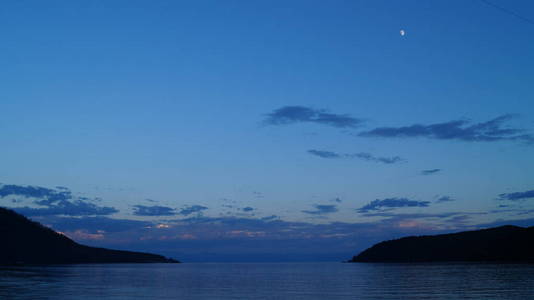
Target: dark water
[269,281]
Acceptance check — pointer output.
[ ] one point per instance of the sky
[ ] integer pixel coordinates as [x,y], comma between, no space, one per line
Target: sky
[266,130]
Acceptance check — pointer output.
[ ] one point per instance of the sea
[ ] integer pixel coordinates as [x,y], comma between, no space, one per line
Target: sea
[269,281]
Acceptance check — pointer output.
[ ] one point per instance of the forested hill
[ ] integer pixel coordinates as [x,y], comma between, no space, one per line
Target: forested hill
[500,244]
[26,242]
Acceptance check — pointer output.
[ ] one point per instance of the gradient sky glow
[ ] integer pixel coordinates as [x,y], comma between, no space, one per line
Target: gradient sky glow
[266,130]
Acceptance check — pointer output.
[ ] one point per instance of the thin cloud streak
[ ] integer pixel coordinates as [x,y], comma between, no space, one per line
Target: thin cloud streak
[430,172]
[301,114]
[379,204]
[361,155]
[187,210]
[517,195]
[444,199]
[461,130]
[153,211]
[322,209]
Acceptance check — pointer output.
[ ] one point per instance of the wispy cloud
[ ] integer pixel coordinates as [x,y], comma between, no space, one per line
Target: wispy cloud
[187,210]
[517,195]
[361,155]
[444,199]
[370,157]
[430,172]
[406,216]
[322,209]
[325,154]
[270,218]
[156,210]
[75,208]
[301,114]
[58,201]
[378,204]
[92,224]
[38,192]
[462,130]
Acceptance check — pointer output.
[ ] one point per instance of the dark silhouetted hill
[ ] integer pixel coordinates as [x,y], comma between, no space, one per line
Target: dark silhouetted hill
[500,244]
[23,241]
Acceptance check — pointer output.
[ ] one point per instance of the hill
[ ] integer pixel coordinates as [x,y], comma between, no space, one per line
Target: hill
[26,242]
[500,244]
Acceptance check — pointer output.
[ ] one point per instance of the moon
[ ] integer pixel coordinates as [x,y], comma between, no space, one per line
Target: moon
[402,32]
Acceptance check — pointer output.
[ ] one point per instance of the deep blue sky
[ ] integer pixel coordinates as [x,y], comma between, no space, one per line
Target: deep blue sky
[266,130]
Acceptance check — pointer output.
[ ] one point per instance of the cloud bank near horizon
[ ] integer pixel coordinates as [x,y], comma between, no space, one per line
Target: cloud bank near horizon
[188,227]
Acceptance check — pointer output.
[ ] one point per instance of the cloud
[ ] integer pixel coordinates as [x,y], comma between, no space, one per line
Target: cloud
[301,114]
[444,199]
[201,238]
[325,154]
[369,157]
[517,195]
[270,218]
[156,210]
[271,239]
[361,155]
[92,224]
[46,194]
[378,204]
[430,172]
[187,210]
[321,209]
[54,202]
[444,220]
[68,208]
[236,211]
[403,216]
[462,130]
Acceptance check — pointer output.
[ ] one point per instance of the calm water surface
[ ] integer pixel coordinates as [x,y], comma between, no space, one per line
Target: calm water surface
[269,281]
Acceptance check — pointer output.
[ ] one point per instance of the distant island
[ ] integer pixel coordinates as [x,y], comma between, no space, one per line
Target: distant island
[26,242]
[499,244]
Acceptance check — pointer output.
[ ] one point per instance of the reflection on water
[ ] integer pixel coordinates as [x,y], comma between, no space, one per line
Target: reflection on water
[269,281]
